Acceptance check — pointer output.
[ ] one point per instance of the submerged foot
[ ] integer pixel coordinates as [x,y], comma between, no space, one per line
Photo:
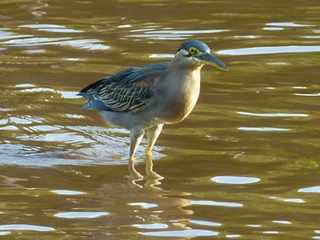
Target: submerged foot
[153,175]
[135,175]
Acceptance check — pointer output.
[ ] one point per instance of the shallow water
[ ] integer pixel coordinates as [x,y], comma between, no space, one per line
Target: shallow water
[244,165]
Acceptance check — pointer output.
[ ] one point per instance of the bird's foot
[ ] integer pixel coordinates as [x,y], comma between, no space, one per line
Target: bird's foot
[153,175]
[135,175]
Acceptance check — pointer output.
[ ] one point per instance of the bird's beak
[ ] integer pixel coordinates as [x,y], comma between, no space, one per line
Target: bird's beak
[212,60]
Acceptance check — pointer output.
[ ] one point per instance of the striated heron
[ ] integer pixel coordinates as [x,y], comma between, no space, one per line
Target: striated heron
[143,99]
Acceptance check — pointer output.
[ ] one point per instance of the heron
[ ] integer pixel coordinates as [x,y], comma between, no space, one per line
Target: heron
[144,99]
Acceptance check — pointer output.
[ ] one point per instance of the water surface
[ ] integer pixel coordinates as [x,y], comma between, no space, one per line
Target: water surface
[244,165]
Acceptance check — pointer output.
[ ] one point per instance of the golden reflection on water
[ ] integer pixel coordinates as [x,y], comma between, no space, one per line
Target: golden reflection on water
[243,166]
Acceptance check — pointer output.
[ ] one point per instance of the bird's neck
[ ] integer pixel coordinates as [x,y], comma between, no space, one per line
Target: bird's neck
[181,79]
[182,74]
[185,65]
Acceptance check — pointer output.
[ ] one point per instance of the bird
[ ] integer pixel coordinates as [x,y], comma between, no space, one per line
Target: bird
[144,99]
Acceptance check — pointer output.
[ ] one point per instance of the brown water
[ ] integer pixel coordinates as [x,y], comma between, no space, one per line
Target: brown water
[244,165]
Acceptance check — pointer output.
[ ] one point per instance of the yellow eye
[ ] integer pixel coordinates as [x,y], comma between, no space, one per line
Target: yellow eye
[194,51]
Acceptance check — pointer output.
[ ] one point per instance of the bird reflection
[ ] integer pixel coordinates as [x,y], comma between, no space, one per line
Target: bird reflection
[166,199]
[147,183]
[141,204]
[153,184]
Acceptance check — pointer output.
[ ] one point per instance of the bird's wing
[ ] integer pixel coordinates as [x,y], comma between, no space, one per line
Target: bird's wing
[127,91]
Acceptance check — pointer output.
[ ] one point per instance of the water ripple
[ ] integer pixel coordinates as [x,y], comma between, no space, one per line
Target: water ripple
[282,222]
[273,28]
[308,94]
[151,226]
[25,85]
[89,44]
[233,236]
[270,50]
[235,180]
[67,192]
[65,94]
[288,24]
[78,215]
[174,34]
[160,56]
[314,189]
[57,137]
[9,128]
[273,114]
[263,129]
[216,203]
[206,223]
[254,225]
[143,205]
[299,87]
[289,200]
[5,34]
[181,233]
[35,41]
[69,94]
[180,32]
[271,232]
[29,41]
[37,90]
[309,37]
[45,128]
[51,28]
[22,120]
[25,227]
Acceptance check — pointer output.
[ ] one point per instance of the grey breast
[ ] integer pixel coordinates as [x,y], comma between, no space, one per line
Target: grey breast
[180,94]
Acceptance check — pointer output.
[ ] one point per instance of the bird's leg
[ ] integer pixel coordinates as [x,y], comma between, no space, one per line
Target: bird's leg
[136,136]
[152,136]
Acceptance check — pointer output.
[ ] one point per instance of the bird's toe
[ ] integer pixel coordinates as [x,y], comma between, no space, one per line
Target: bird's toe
[135,175]
[153,175]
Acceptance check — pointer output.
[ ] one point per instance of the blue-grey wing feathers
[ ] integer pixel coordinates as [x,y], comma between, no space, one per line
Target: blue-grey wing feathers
[128,91]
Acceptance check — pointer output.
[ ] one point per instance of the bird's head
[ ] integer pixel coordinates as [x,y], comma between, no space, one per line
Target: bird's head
[197,53]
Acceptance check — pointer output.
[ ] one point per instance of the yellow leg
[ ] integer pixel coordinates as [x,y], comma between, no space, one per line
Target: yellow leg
[136,137]
[152,135]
